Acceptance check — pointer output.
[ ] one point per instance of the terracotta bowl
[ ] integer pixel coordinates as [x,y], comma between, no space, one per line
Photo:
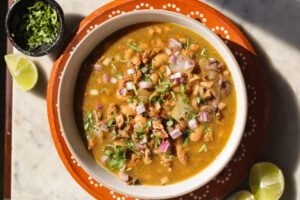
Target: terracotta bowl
[71,133]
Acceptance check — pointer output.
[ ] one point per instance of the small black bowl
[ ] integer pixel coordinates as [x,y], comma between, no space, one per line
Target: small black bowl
[13,22]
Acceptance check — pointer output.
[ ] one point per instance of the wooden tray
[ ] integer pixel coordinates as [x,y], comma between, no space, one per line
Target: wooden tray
[253,73]
[5,107]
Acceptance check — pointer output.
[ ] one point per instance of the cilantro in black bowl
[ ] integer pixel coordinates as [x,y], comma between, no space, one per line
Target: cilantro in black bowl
[35,27]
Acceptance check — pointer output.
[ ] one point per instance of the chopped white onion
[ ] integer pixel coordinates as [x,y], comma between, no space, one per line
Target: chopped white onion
[176,53]
[157,105]
[176,75]
[168,71]
[130,86]
[193,123]
[140,109]
[144,140]
[94,92]
[145,84]
[144,69]
[173,43]
[114,80]
[168,51]
[106,61]
[175,133]
[189,64]
[130,71]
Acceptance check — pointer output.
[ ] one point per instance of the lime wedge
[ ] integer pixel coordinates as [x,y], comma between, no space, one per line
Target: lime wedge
[23,70]
[242,195]
[266,181]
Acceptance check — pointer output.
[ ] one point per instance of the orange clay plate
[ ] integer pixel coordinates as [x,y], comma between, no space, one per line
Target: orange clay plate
[258,103]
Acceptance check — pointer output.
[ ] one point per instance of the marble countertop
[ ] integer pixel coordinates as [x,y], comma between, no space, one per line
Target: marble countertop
[273,28]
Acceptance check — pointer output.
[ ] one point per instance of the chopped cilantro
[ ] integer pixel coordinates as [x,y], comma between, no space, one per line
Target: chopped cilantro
[102,90]
[170,122]
[114,67]
[161,89]
[110,122]
[160,75]
[130,144]
[207,129]
[88,121]
[187,43]
[190,115]
[146,77]
[118,75]
[108,152]
[134,47]
[149,123]
[183,94]
[135,90]
[117,156]
[173,96]
[39,25]
[186,134]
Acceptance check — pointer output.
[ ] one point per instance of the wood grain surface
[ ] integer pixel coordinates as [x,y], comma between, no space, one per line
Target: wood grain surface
[5,108]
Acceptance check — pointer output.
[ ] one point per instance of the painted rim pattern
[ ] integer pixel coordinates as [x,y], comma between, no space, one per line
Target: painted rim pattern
[258,105]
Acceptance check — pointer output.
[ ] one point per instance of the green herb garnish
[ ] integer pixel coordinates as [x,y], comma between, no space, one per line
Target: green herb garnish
[39,25]
[114,67]
[117,157]
[88,121]
[170,122]
[173,96]
[102,90]
[187,44]
[198,100]
[134,47]
[135,90]
[110,122]
[183,94]
[152,66]
[207,129]
[186,134]
[161,89]
[146,77]
[118,75]
[149,123]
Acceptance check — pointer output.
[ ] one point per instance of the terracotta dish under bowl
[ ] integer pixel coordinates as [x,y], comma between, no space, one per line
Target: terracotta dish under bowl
[71,133]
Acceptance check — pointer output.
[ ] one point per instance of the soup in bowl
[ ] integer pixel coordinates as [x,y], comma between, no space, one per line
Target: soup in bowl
[159,104]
